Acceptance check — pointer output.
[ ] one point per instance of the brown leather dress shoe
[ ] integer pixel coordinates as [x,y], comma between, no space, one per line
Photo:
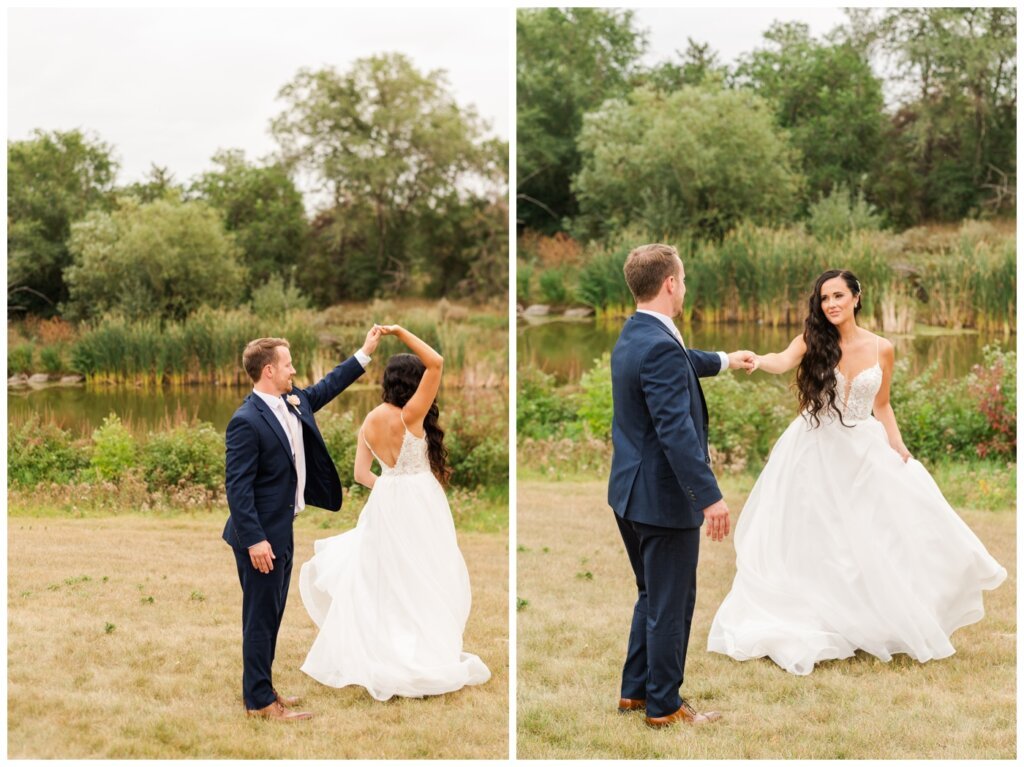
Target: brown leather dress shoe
[278,713]
[287,701]
[628,704]
[686,714]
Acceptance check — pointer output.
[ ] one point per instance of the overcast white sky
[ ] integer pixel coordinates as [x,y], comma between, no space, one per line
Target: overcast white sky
[173,86]
[731,31]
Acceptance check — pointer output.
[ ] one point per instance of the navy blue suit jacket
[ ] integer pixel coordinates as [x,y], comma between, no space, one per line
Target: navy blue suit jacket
[260,475]
[661,468]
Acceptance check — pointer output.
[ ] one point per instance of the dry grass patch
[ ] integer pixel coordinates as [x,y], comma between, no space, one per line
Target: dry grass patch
[572,632]
[124,641]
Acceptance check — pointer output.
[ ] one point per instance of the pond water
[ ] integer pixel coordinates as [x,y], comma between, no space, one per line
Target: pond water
[82,409]
[568,348]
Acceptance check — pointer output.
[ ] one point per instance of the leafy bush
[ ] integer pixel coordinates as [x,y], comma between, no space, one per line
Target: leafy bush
[524,278]
[478,462]
[19,359]
[190,454]
[836,216]
[477,444]
[554,288]
[595,408]
[340,435]
[747,417]
[42,452]
[541,410]
[52,359]
[114,450]
[275,299]
[994,387]
[937,417]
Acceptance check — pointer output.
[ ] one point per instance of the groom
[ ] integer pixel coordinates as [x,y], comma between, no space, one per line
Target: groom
[277,462]
[661,486]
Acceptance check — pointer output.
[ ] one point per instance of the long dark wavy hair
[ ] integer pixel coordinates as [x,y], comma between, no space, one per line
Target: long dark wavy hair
[816,376]
[401,378]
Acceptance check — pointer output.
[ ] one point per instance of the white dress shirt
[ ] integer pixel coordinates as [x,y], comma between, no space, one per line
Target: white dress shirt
[675,331]
[292,426]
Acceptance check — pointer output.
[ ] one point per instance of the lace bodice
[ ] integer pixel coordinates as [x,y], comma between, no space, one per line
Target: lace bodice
[412,457]
[857,397]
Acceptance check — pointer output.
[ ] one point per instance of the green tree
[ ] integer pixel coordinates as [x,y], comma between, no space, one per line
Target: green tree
[827,97]
[162,259]
[159,185]
[698,65]
[262,208]
[568,61]
[698,160]
[952,141]
[386,141]
[53,180]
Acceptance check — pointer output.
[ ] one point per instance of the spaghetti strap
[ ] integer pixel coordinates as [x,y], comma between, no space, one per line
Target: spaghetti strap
[401,414]
[878,340]
[368,447]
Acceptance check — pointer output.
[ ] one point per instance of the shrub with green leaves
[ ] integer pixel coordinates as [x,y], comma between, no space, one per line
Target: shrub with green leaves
[937,417]
[541,410]
[554,286]
[340,435]
[52,359]
[837,215]
[19,359]
[477,445]
[188,454]
[40,451]
[595,408]
[274,299]
[114,449]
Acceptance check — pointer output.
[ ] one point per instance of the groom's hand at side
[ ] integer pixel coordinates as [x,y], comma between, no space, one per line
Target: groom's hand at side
[262,556]
[717,517]
[742,360]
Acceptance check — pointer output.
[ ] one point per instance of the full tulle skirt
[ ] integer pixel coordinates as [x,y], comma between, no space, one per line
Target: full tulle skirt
[391,597]
[842,546]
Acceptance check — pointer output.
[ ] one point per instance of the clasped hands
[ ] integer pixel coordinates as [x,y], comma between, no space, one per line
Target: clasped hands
[374,335]
[743,360]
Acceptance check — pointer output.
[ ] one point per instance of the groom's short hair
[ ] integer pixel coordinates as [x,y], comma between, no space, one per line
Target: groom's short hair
[646,268]
[260,353]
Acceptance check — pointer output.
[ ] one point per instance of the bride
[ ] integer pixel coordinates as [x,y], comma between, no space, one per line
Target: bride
[391,596]
[846,542]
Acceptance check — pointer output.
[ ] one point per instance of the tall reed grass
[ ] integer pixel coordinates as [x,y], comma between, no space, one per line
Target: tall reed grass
[207,347]
[960,279]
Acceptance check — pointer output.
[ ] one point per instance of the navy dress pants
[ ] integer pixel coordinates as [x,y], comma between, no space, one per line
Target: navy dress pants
[263,600]
[664,561]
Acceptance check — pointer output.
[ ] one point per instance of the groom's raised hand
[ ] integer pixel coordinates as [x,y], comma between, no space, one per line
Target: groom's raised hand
[372,339]
[717,517]
[742,360]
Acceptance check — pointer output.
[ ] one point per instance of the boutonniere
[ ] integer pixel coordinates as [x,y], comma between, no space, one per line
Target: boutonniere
[292,400]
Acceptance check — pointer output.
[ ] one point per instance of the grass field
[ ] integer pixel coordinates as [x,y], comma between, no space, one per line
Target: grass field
[575,595]
[124,641]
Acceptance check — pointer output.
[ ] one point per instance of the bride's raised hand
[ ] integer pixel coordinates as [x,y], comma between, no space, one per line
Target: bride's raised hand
[389,330]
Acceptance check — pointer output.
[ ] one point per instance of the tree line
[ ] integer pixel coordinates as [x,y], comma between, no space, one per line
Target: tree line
[906,114]
[411,201]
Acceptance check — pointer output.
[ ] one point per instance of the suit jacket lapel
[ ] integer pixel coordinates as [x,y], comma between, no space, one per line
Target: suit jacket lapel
[274,424]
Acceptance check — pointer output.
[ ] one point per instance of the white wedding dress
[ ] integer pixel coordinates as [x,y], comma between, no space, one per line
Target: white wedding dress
[391,596]
[842,546]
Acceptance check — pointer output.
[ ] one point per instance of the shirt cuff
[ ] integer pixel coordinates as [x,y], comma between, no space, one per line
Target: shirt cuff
[362,358]
[725,361]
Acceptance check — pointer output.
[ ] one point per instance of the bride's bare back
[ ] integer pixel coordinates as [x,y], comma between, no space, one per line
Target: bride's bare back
[384,430]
